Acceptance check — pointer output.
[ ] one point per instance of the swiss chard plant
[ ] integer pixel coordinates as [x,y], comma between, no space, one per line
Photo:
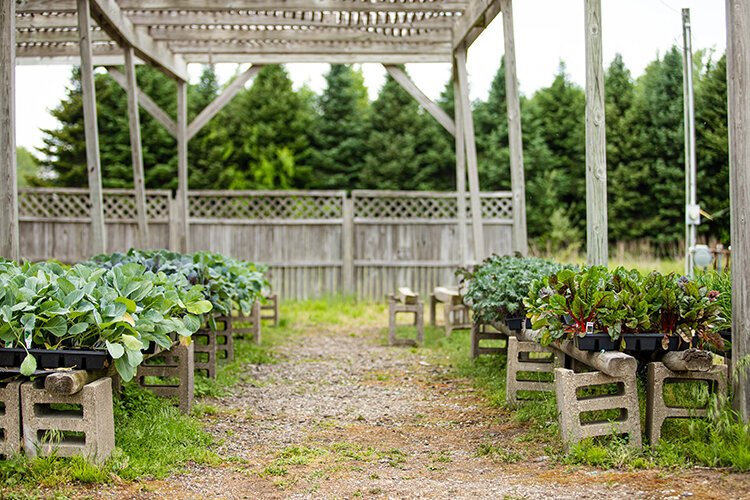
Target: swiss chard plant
[120,310]
[595,300]
[496,288]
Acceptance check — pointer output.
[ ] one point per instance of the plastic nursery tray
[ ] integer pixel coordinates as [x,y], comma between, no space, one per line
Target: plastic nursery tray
[47,358]
[514,324]
[634,342]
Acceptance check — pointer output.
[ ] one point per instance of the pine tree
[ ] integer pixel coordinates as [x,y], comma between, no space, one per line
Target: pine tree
[340,129]
[491,119]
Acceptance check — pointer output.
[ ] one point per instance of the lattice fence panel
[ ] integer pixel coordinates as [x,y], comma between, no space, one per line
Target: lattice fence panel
[51,204]
[265,207]
[375,206]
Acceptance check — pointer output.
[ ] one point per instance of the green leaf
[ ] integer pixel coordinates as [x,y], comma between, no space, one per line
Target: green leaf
[130,305]
[132,343]
[199,307]
[57,326]
[115,350]
[78,328]
[28,366]
[126,371]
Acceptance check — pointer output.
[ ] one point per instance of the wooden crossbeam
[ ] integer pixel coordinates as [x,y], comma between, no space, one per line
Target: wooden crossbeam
[147,103]
[409,86]
[8,176]
[342,57]
[218,104]
[111,18]
[258,5]
[477,16]
[339,34]
[324,47]
[57,36]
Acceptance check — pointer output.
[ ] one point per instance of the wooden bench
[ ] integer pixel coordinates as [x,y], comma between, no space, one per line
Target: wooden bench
[405,301]
[455,312]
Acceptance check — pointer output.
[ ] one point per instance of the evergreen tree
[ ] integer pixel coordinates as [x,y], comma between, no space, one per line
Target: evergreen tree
[712,145]
[406,149]
[27,168]
[340,129]
[491,119]
[268,126]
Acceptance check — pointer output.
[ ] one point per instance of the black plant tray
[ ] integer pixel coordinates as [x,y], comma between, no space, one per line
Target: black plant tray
[634,342]
[47,358]
[514,324]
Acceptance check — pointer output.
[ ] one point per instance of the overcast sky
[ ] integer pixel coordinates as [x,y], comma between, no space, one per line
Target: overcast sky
[547,32]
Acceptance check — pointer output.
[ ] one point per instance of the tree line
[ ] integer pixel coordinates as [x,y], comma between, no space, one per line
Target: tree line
[273,137]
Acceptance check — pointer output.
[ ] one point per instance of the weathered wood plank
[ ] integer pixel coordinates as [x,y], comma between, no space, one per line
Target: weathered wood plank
[91,130]
[597,245]
[478,13]
[347,246]
[222,100]
[9,242]
[463,241]
[428,104]
[182,167]
[134,121]
[471,154]
[688,360]
[515,135]
[738,80]
[146,103]
[612,363]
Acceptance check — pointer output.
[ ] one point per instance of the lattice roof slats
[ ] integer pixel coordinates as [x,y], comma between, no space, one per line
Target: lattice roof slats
[259,31]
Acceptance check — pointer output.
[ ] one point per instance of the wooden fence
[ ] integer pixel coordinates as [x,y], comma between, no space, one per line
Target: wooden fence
[315,242]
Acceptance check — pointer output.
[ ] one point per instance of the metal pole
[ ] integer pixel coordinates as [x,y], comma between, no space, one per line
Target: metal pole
[692,211]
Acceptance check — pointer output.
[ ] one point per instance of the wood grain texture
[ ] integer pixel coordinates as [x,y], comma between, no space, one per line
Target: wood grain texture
[91,130]
[8,190]
[427,104]
[134,122]
[182,167]
[146,103]
[463,242]
[738,80]
[471,153]
[597,246]
[515,135]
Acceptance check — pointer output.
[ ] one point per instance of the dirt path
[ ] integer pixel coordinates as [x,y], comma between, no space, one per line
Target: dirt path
[342,416]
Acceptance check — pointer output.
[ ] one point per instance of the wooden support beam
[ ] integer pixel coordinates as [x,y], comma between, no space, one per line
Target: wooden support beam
[597,246]
[296,5]
[428,104]
[475,18]
[471,154]
[292,47]
[182,167]
[134,120]
[146,103]
[738,80]
[8,181]
[339,57]
[91,130]
[612,363]
[71,382]
[218,104]
[463,242]
[112,20]
[515,134]
[694,360]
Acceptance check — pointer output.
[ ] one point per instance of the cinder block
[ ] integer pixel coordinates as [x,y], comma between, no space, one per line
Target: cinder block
[177,364]
[657,411]
[483,331]
[87,429]
[204,342]
[520,360]
[571,406]
[251,324]
[224,339]
[10,418]
[397,307]
[455,316]
[270,309]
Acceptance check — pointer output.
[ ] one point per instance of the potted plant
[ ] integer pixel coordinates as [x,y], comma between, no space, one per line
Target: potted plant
[496,288]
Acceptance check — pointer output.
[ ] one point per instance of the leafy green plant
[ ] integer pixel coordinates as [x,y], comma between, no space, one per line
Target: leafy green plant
[497,287]
[120,310]
[593,300]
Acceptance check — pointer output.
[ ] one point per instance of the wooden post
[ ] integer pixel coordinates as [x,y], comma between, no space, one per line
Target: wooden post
[182,167]
[471,153]
[8,182]
[738,80]
[347,247]
[597,249]
[93,166]
[463,244]
[515,137]
[135,147]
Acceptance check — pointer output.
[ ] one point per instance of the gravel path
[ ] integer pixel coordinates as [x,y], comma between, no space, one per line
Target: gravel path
[342,416]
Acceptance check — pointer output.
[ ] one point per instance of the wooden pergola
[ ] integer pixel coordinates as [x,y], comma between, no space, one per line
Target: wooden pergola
[170,34]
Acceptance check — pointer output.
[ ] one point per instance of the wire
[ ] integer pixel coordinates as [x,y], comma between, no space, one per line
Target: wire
[665,4]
